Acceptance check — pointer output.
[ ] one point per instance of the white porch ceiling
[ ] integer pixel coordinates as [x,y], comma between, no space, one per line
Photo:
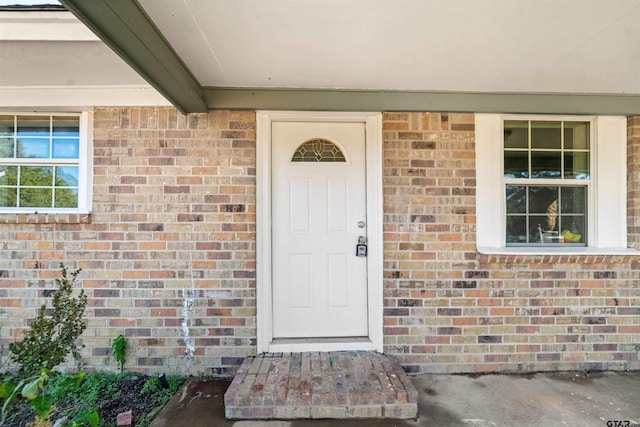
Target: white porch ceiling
[570,46]
[457,55]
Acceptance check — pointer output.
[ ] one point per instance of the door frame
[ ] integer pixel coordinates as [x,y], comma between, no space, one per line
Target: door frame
[374,209]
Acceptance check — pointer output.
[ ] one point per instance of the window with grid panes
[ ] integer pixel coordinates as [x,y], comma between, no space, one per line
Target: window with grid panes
[541,175]
[41,162]
[547,175]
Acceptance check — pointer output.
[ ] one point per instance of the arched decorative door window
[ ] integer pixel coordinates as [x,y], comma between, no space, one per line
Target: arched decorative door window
[318,150]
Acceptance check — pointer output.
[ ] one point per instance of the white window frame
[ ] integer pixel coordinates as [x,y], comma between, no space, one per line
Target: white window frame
[607,193]
[85,163]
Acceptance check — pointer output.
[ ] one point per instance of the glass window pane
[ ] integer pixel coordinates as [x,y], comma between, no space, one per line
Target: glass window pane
[318,150]
[36,176]
[34,126]
[8,197]
[573,200]
[6,148]
[545,135]
[10,175]
[574,229]
[33,148]
[546,164]
[6,126]
[544,201]
[541,197]
[538,231]
[549,215]
[66,176]
[66,127]
[66,148]
[516,164]
[66,198]
[576,135]
[36,197]
[516,134]
[516,229]
[576,165]
[516,199]
[30,184]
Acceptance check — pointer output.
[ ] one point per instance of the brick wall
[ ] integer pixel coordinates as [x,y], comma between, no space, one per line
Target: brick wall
[168,253]
[168,256]
[448,309]
[633,181]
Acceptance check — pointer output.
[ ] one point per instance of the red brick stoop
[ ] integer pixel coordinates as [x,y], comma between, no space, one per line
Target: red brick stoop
[349,384]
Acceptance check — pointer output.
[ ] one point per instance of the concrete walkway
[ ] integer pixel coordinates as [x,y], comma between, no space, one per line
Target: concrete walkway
[544,400]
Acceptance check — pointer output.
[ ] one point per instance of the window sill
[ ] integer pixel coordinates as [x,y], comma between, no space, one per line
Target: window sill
[546,250]
[46,218]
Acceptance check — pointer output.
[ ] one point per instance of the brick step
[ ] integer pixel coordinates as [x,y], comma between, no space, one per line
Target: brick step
[347,384]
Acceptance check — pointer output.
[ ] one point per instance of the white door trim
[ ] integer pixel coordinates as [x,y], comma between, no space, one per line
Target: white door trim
[373,126]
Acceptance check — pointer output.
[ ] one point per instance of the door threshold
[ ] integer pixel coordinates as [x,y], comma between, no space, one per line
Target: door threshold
[294,345]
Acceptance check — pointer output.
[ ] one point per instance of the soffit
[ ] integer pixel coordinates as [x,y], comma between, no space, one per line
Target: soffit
[576,46]
[63,63]
[377,55]
[44,49]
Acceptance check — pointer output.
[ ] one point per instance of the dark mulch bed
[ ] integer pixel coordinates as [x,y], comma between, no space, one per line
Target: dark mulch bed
[130,399]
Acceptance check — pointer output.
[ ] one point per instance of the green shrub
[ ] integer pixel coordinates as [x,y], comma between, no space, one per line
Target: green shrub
[51,338]
[89,395]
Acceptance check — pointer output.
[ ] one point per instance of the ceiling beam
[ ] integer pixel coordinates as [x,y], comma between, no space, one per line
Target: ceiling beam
[128,31]
[388,100]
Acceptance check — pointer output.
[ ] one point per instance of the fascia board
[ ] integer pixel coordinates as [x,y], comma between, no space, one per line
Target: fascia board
[390,100]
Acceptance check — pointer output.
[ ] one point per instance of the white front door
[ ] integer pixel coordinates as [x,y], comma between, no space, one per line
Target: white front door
[318,191]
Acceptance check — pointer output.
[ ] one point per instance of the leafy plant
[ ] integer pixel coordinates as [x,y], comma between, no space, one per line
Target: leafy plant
[88,397]
[119,350]
[152,385]
[51,338]
[33,390]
